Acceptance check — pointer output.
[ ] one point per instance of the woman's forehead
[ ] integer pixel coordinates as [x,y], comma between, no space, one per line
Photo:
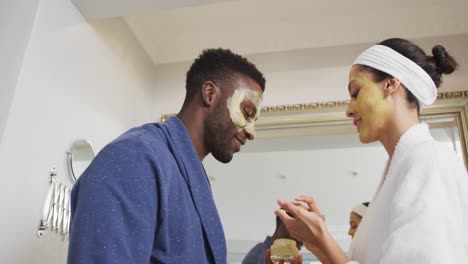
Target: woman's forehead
[357,71]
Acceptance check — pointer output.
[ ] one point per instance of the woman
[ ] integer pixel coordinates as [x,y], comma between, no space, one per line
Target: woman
[419,212]
[355,217]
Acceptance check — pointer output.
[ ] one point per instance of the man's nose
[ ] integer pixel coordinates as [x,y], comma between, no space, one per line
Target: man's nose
[249,131]
[248,135]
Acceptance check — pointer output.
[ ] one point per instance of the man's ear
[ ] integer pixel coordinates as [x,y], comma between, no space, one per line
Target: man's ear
[391,85]
[210,92]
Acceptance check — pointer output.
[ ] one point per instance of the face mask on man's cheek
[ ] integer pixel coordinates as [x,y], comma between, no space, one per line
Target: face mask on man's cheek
[234,106]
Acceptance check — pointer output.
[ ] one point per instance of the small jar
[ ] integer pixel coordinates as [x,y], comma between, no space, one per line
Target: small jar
[285,250]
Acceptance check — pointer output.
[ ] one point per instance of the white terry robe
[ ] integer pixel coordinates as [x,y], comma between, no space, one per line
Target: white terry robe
[419,213]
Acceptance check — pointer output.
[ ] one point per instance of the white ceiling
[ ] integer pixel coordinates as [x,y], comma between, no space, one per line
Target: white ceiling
[98,9]
[177,30]
[260,26]
[299,33]
[320,31]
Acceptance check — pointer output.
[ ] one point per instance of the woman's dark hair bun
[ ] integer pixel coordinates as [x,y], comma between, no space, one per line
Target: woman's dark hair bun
[444,62]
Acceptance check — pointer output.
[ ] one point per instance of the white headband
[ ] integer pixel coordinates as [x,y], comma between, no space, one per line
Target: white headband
[415,79]
[360,210]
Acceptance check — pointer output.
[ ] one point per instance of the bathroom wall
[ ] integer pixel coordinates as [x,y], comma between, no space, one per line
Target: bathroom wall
[77,80]
[16,22]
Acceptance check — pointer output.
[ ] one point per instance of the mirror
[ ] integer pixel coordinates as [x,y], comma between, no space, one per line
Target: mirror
[79,157]
[312,149]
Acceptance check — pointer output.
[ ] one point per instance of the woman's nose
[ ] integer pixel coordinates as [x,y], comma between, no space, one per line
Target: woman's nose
[350,111]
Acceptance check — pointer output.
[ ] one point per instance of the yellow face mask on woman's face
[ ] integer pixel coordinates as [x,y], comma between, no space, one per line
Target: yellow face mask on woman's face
[354,221]
[367,107]
[244,108]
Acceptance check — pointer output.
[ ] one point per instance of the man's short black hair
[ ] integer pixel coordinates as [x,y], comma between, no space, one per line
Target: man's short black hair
[218,65]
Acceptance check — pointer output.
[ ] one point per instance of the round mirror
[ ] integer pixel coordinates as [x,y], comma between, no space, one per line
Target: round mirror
[79,157]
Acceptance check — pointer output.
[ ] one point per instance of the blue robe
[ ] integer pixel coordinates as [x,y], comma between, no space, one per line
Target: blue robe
[256,255]
[146,198]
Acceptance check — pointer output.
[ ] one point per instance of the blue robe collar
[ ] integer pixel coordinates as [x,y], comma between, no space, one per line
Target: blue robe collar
[194,173]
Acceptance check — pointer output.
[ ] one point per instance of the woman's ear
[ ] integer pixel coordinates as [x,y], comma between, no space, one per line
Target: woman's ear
[210,91]
[391,86]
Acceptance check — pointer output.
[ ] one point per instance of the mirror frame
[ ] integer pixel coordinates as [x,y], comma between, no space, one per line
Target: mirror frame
[328,118]
[70,166]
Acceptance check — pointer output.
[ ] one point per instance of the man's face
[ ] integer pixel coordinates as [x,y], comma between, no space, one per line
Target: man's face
[231,122]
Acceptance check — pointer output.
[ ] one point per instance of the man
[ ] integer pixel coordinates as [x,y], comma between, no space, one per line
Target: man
[256,255]
[146,198]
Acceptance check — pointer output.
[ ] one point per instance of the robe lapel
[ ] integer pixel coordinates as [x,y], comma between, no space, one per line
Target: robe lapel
[194,173]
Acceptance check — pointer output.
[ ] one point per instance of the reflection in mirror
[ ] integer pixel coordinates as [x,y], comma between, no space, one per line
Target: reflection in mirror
[312,149]
[79,157]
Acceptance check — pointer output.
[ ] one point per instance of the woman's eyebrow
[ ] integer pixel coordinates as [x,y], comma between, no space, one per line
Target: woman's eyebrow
[349,85]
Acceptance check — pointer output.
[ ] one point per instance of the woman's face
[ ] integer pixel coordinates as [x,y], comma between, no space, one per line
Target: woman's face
[368,106]
[354,221]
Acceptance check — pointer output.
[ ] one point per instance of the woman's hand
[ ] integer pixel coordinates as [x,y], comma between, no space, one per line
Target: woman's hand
[307,224]
[317,252]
